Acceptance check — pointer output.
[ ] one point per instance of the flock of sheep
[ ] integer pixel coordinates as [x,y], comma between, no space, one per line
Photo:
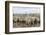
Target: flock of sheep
[26,21]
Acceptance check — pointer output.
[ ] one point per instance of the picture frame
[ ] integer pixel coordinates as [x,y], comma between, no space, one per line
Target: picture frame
[19,6]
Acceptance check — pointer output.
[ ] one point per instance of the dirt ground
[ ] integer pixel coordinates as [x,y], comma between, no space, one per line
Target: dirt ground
[16,25]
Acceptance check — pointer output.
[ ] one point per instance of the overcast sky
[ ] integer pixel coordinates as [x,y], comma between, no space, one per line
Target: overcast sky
[24,10]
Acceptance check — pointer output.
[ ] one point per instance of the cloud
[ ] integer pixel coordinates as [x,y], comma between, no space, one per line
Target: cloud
[23,10]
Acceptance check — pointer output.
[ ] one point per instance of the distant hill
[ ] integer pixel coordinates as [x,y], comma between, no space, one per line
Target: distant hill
[31,14]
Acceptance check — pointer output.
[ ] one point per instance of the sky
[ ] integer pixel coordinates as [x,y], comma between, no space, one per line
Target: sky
[25,10]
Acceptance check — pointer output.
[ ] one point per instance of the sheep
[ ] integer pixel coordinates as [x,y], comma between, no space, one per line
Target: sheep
[35,20]
[28,21]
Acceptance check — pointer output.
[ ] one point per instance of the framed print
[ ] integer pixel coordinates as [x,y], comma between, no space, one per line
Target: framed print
[24,17]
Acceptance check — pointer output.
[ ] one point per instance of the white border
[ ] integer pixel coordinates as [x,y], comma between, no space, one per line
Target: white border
[11,29]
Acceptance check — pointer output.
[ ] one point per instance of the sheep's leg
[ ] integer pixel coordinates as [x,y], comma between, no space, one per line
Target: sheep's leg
[33,22]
